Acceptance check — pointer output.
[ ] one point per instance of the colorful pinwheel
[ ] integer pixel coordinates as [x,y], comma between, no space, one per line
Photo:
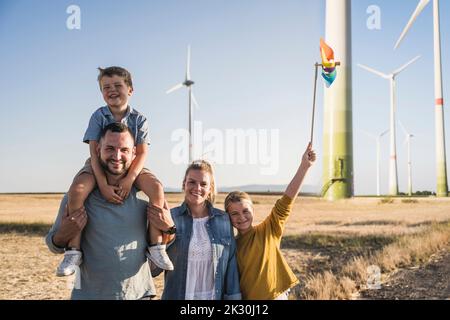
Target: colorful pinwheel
[328,63]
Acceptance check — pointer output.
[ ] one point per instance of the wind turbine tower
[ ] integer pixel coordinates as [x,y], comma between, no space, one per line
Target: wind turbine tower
[192,101]
[378,141]
[441,162]
[337,129]
[408,137]
[393,175]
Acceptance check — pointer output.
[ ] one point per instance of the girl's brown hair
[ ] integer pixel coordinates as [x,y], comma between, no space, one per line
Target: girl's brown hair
[204,166]
[237,196]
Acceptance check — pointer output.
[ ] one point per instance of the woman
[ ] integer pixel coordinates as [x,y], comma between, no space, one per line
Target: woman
[265,275]
[204,249]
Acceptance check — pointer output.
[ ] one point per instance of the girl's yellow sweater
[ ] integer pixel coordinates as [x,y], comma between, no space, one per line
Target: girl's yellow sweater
[264,272]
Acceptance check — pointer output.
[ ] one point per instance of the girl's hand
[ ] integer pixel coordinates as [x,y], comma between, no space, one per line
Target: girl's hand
[309,156]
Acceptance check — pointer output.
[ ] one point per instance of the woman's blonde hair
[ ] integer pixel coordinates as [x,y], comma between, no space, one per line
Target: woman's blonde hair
[204,166]
[237,196]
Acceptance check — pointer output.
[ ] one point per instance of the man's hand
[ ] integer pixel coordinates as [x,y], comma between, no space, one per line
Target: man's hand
[110,193]
[160,217]
[308,157]
[71,226]
[125,186]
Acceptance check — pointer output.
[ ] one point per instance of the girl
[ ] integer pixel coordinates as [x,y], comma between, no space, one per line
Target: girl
[265,275]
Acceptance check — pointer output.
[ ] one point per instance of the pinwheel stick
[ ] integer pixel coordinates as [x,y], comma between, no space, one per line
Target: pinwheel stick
[316,65]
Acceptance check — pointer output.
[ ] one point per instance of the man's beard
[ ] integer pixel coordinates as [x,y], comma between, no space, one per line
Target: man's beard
[107,169]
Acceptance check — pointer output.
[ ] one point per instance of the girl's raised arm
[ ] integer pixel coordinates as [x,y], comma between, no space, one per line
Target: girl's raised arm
[308,159]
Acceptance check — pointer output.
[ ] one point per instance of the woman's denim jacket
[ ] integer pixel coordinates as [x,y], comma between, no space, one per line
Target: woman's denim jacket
[220,231]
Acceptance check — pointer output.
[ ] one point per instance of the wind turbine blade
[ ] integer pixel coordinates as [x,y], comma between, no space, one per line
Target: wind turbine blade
[403,128]
[188,64]
[194,100]
[378,73]
[396,72]
[422,4]
[178,86]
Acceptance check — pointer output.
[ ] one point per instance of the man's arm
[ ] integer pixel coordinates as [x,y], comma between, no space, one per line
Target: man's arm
[65,227]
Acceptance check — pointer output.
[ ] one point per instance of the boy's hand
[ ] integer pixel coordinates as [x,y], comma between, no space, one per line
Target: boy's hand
[309,156]
[125,187]
[110,193]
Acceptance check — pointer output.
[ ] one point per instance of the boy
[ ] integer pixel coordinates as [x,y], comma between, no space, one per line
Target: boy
[116,87]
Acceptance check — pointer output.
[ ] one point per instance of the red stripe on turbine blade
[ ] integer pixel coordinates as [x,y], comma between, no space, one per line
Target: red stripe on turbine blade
[440,102]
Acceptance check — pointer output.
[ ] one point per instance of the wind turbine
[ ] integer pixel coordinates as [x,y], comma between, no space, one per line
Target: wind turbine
[337,120]
[192,101]
[441,162]
[408,141]
[393,176]
[377,138]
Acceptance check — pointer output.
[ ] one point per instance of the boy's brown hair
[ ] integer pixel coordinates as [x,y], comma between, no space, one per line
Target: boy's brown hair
[115,71]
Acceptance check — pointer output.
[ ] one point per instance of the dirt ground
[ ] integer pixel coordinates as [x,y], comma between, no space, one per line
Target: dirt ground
[27,270]
[428,282]
[27,267]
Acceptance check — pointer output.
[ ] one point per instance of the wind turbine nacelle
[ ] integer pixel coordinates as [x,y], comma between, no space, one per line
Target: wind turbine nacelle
[188,83]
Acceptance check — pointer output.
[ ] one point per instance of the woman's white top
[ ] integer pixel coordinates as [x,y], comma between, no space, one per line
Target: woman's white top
[200,270]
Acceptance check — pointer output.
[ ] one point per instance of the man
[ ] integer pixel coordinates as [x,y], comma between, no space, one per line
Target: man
[114,241]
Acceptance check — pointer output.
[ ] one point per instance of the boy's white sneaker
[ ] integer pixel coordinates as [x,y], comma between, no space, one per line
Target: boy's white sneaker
[72,259]
[158,255]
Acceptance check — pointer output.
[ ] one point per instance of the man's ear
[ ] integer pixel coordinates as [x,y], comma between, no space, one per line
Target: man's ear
[130,91]
[134,152]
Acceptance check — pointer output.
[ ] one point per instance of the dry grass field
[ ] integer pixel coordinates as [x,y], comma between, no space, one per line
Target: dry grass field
[327,244]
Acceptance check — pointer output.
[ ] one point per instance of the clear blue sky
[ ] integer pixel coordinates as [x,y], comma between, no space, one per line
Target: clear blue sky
[252,67]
